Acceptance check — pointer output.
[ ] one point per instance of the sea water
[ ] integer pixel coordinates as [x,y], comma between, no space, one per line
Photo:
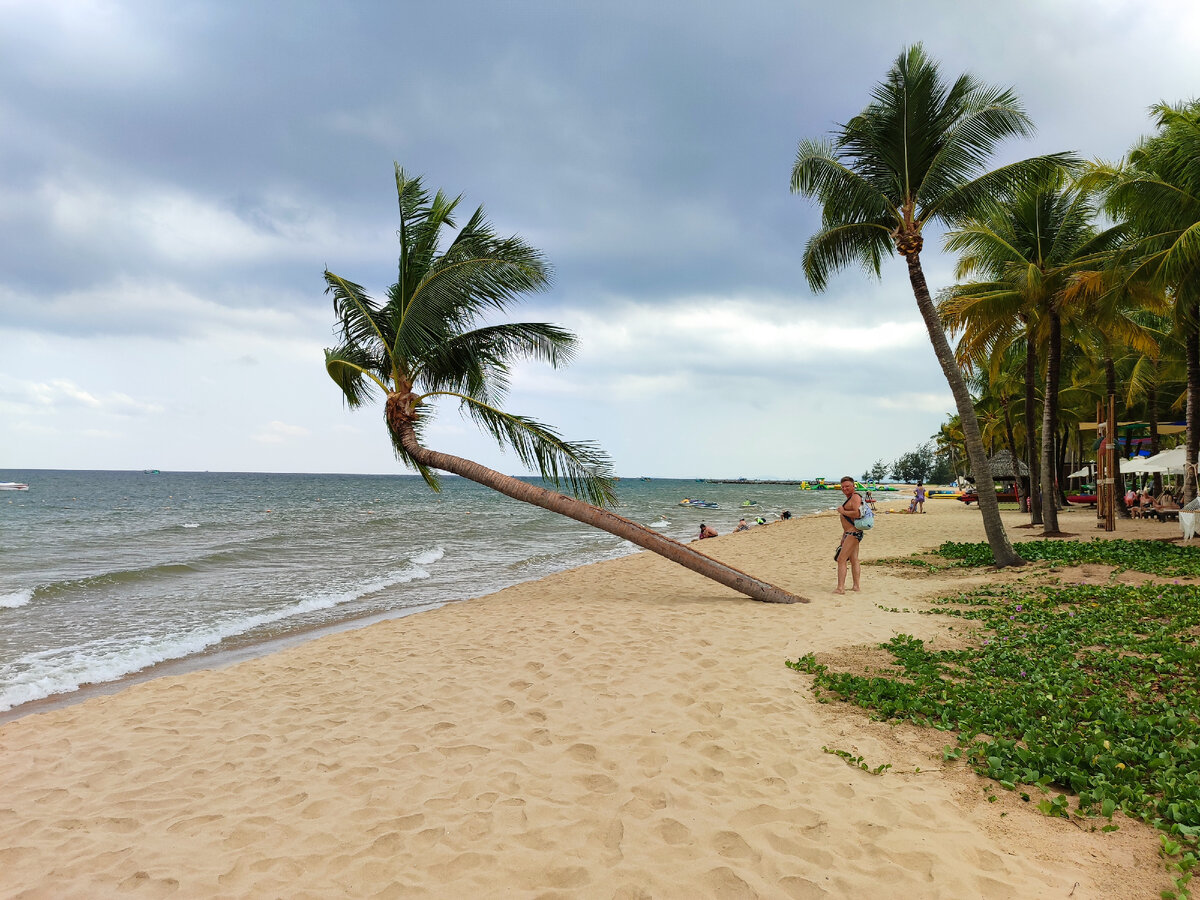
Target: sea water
[107,574]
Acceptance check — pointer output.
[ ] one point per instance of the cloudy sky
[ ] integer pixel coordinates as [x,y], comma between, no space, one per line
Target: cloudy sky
[175,176]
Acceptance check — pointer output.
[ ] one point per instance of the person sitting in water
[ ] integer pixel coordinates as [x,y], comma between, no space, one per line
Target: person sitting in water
[706,532]
[760,521]
[741,526]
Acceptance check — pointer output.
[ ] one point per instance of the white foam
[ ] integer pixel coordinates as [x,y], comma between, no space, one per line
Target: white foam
[428,557]
[16,598]
[63,671]
[661,523]
[190,525]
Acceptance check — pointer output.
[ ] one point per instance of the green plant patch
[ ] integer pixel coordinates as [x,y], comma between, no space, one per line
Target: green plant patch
[1151,557]
[1093,689]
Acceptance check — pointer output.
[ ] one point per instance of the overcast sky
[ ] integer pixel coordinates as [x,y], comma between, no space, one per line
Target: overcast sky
[175,176]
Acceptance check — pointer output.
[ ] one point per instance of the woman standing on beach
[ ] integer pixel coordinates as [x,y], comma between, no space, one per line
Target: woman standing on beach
[852,535]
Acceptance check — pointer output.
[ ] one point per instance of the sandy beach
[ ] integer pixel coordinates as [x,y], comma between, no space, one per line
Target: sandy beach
[626,729]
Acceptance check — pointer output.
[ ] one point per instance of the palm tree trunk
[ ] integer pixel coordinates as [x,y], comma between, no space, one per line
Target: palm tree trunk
[596,517]
[1049,426]
[1152,403]
[1031,455]
[1110,385]
[1192,352]
[1018,488]
[1002,549]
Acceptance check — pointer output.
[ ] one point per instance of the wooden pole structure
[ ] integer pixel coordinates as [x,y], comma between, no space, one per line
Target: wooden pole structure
[1114,468]
[1101,468]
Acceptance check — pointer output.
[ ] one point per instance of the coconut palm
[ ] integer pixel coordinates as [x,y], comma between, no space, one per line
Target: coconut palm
[1158,190]
[916,156]
[1153,376]
[996,332]
[1044,259]
[427,340]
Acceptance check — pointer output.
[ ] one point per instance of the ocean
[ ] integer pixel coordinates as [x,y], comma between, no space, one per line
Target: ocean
[111,576]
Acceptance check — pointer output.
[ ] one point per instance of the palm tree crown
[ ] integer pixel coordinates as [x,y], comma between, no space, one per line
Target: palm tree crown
[916,154]
[429,340]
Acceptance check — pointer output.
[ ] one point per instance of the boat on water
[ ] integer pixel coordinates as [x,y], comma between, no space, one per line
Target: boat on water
[13,486]
[699,504]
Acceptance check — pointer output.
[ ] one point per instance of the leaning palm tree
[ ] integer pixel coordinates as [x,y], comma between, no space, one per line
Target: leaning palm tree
[915,156]
[428,341]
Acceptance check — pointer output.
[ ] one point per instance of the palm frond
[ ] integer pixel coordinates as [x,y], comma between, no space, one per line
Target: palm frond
[834,248]
[361,321]
[990,189]
[455,292]
[353,369]
[582,467]
[477,362]
[983,118]
[845,195]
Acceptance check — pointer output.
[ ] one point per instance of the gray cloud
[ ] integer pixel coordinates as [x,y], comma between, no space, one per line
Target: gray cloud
[184,171]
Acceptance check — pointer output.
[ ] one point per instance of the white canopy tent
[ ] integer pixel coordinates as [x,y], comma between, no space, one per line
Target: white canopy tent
[1085,472]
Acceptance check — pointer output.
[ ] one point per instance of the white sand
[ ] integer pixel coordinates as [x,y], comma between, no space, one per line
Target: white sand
[627,729]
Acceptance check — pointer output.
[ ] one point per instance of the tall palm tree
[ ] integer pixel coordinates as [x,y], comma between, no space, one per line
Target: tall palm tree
[1152,375]
[915,156]
[996,331]
[427,341]
[1044,258]
[1158,190]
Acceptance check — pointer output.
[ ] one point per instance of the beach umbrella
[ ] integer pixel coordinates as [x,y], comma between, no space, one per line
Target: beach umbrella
[1085,472]
[1139,465]
[1170,462]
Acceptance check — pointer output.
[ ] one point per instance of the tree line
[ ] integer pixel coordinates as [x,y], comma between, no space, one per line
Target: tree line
[1074,281]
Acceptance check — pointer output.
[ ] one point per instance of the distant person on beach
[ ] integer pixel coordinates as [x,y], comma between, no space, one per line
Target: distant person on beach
[920,495]
[870,500]
[741,526]
[706,532]
[852,535]
[785,515]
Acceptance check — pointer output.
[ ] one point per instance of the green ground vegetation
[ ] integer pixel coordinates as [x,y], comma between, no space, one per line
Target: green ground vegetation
[1151,557]
[1088,689]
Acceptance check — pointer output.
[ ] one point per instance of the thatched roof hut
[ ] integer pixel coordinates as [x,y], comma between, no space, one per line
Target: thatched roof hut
[1001,466]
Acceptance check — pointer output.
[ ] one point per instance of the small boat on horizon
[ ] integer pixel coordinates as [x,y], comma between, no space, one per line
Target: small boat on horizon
[13,486]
